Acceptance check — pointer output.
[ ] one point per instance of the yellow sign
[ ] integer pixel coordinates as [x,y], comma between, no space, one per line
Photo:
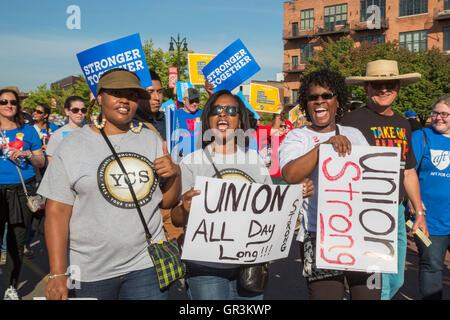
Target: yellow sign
[196,63]
[295,113]
[265,98]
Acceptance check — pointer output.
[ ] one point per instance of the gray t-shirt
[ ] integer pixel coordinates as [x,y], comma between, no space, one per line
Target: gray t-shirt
[242,166]
[56,138]
[106,237]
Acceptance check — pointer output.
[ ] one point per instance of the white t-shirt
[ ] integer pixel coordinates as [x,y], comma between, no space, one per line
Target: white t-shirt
[299,142]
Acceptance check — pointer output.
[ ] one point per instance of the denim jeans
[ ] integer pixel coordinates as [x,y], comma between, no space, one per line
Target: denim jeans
[136,285]
[205,283]
[392,282]
[431,265]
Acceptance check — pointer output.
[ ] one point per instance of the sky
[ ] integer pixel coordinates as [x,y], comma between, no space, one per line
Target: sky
[39,48]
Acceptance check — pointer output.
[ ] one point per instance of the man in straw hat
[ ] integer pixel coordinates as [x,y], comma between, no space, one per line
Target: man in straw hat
[382,127]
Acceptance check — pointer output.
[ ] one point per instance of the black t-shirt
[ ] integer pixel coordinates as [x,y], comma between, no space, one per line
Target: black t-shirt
[385,131]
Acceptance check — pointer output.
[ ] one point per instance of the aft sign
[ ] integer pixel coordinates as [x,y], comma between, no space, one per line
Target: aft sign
[241,223]
[265,98]
[231,67]
[196,63]
[357,209]
[125,53]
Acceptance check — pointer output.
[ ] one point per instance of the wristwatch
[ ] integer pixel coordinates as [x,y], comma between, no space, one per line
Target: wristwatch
[30,156]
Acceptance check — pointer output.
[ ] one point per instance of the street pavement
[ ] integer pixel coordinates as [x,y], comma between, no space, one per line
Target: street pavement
[285,282]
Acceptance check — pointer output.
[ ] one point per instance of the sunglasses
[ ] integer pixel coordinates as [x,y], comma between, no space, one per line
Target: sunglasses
[325,96]
[194,101]
[4,102]
[76,110]
[283,126]
[38,111]
[229,110]
[443,115]
[378,85]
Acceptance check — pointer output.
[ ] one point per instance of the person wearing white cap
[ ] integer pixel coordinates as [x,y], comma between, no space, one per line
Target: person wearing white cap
[383,127]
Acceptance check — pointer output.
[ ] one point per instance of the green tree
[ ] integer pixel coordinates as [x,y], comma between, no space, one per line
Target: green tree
[342,56]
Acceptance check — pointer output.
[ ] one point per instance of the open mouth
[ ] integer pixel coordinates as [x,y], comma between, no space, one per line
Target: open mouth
[321,112]
[222,125]
[123,110]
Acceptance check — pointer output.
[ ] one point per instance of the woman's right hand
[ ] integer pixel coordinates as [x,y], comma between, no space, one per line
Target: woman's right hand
[56,289]
[186,199]
[341,144]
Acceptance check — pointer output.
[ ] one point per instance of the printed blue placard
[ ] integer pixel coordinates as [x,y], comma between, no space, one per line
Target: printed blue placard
[181,87]
[248,105]
[231,67]
[126,53]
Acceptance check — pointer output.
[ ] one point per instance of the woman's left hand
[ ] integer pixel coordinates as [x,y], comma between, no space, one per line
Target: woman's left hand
[15,153]
[308,187]
[164,166]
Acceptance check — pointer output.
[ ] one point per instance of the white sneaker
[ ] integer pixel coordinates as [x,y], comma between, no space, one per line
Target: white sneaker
[11,294]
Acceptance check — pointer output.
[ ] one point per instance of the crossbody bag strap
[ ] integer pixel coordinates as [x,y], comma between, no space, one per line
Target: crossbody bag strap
[425,147]
[208,155]
[133,195]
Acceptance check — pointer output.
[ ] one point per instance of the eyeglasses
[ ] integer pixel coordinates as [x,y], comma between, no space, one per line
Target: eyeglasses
[378,85]
[38,111]
[229,110]
[325,96]
[4,102]
[194,101]
[76,110]
[443,115]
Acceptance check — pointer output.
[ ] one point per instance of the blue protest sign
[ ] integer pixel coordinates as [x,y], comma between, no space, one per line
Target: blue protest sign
[169,103]
[181,87]
[231,67]
[126,53]
[247,104]
[169,111]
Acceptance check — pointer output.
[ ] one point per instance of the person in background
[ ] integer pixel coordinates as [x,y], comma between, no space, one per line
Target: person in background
[414,122]
[432,150]
[20,151]
[382,85]
[43,127]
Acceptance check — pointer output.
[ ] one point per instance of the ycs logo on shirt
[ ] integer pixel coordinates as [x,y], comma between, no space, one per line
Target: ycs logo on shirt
[113,186]
[235,175]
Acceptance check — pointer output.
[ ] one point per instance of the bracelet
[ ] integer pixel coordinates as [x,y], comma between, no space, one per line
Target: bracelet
[30,156]
[420,213]
[53,276]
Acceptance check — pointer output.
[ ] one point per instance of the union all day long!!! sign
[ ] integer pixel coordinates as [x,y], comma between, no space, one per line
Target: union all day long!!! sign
[357,209]
[236,222]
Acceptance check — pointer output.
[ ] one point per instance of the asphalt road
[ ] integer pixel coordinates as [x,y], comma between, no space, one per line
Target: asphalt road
[285,283]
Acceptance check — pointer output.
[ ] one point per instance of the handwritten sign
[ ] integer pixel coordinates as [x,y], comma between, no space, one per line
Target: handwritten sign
[231,67]
[196,63]
[265,98]
[358,209]
[237,222]
[126,53]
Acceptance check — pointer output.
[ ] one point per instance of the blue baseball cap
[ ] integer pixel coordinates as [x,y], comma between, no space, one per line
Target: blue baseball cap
[410,114]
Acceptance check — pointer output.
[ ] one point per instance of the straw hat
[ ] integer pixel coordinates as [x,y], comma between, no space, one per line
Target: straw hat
[383,70]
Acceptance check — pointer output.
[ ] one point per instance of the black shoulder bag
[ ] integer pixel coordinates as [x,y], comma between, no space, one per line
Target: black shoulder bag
[252,277]
[165,254]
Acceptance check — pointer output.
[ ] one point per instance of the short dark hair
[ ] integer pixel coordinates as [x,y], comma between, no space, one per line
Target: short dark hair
[46,107]
[324,78]
[154,75]
[242,111]
[18,117]
[72,99]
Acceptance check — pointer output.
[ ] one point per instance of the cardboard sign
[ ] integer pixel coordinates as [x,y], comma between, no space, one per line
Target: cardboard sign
[265,98]
[295,113]
[181,87]
[358,209]
[173,77]
[241,223]
[231,67]
[196,63]
[249,107]
[125,53]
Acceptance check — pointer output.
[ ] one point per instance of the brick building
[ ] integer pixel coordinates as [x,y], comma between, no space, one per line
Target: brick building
[415,24]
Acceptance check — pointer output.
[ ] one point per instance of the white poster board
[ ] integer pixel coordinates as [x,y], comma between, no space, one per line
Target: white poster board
[358,209]
[241,223]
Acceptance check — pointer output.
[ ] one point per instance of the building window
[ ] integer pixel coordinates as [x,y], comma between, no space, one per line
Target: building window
[446,4]
[414,41]
[377,39]
[294,96]
[334,16]
[410,7]
[307,19]
[446,38]
[294,61]
[364,16]
[294,29]
[306,52]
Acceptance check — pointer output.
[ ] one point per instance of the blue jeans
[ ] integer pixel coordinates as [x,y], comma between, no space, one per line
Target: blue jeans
[392,282]
[431,265]
[205,283]
[136,285]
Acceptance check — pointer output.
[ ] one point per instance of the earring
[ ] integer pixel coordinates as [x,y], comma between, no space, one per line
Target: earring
[134,129]
[101,125]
